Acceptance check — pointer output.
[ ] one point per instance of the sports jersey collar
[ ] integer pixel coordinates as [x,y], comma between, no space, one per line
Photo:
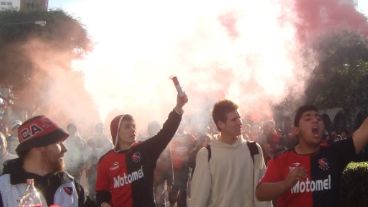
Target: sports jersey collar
[307,154]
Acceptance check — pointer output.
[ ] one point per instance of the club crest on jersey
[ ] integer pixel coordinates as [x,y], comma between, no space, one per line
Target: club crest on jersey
[294,165]
[323,164]
[68,190]
[136,157]
[114,166]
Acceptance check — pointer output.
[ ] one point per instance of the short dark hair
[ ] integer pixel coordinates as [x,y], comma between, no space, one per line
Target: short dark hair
[221,108]
[301,110]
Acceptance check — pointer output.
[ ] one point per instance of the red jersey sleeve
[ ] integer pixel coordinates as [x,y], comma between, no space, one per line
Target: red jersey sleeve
[102,179]
[273,173]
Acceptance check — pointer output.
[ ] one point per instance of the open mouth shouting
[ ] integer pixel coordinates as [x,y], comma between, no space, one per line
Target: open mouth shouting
[315,131]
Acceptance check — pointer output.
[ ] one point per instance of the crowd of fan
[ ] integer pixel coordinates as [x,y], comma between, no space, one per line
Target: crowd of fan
[177,162]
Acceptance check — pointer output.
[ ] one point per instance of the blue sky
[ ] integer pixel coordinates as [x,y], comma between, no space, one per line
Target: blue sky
[363,6]
[59,3]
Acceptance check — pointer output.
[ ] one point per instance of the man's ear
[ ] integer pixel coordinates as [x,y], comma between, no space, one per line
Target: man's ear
[39,149]
[220,125]
[296,131]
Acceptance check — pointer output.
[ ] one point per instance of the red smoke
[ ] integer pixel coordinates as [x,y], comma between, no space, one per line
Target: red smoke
[228,20]
[316,17]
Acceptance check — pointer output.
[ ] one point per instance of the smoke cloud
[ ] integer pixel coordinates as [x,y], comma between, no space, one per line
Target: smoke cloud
[253,52]
[316,18]
[54,89]
[236,50]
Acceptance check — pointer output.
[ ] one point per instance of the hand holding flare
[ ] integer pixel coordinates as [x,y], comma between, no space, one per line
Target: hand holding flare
[177,85]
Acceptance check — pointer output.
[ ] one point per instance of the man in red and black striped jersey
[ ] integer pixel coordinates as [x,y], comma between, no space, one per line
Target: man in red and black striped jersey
[309,174]
[125,174]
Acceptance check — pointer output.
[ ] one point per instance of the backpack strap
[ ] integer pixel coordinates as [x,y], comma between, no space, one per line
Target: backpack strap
[208,147]
[253,149]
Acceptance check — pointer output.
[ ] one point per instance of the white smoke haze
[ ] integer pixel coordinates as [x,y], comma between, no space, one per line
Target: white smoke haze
[63,97]
[139,49]
[245,51]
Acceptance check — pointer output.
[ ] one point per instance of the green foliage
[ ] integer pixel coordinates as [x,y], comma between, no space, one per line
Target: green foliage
[33,55]
[61,34]
[61,30]
[342,72]
[354,185]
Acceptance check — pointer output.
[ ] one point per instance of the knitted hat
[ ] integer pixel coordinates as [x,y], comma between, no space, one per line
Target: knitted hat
[114,128]
[39,131]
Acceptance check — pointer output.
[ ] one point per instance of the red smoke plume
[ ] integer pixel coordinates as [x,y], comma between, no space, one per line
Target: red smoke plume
[316,17]
[228,20]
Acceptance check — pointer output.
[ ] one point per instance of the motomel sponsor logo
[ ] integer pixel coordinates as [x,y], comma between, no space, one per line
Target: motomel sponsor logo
[312,185]
[125,179]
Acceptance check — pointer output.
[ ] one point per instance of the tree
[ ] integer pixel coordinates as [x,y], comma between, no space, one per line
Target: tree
[340,78]
[62,34]
[34,58]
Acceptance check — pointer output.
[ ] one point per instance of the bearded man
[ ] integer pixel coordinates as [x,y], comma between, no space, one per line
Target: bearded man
[40,152]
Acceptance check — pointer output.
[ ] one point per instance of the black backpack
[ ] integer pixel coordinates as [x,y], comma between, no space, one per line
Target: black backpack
[253,149]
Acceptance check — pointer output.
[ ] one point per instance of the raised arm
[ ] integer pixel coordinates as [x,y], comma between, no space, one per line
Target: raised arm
[157,143]
[181,100]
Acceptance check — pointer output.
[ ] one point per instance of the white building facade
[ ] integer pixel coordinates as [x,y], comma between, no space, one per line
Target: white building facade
[9,5]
